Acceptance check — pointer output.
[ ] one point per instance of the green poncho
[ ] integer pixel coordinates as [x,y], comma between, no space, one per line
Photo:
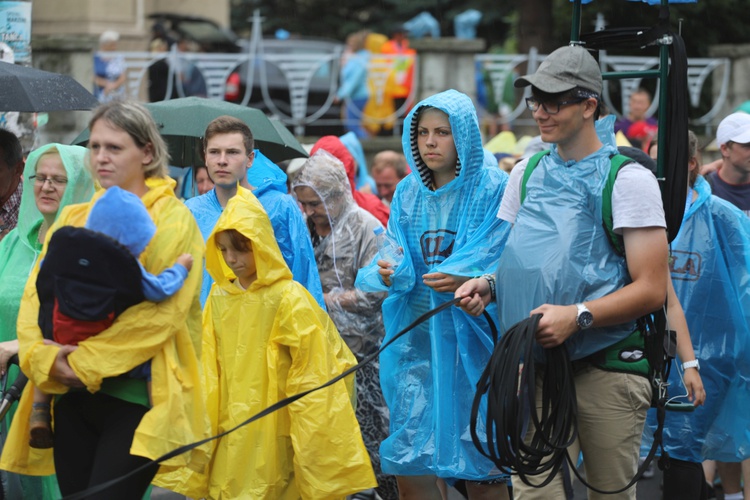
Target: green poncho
[18,253]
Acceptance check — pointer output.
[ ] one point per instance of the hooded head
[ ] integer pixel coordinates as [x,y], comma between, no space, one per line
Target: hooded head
[245,214]
[78,189]
[122,216]
[464,128]
[333,145]
[323,173]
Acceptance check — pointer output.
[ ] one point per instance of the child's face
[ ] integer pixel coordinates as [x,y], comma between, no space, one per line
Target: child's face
[241,262]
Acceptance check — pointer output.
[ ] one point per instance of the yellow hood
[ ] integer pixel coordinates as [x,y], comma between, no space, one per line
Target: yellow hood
[245,214]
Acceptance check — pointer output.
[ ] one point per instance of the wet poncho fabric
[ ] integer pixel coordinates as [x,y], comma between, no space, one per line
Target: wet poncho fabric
[269,183]
[261,345]
[18,253]
[357,315]
[368,201]
[168,333]
[557,235]
[710,267]
[429,375]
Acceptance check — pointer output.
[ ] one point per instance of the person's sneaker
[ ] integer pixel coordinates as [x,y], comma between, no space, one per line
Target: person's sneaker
[40,428]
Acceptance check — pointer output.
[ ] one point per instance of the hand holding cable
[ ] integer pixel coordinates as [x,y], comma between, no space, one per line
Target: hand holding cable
[556,325]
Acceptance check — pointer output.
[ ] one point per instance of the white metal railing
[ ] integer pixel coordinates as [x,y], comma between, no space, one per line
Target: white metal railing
[298,71]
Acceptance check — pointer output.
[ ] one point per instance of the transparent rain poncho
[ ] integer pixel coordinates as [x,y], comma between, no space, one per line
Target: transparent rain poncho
[710,267]
[429,375]
[339,255]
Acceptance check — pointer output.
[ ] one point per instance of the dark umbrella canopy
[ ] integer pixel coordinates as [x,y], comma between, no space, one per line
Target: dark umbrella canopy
[183,121]
[34,91]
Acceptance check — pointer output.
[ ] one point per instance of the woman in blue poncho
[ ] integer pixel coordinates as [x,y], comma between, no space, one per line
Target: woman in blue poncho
[710,269]
[443,215]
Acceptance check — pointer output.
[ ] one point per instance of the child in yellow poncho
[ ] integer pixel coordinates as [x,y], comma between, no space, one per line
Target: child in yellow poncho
[265,338]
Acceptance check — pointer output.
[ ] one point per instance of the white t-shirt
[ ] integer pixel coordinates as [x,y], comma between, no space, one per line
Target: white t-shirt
[636,199]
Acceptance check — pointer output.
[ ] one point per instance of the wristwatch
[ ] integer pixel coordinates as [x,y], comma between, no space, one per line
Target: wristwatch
[691,364]
[584,319]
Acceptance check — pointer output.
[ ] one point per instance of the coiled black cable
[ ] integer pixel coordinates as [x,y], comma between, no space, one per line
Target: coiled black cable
[508,385]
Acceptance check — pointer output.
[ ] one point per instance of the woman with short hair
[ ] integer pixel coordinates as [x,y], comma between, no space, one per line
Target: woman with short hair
[104,424]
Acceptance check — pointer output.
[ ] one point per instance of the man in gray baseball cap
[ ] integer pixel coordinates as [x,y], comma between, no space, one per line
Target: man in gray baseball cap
[565,69]
[559,262]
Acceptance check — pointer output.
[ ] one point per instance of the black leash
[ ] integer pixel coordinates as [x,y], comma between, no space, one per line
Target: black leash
[280,404]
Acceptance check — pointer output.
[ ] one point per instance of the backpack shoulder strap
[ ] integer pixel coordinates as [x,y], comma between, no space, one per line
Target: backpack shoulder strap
[616,163]
[530,166]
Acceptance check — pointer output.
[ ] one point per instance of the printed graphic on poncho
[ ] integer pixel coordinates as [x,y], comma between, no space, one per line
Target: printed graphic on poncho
[437,245]
[685,266]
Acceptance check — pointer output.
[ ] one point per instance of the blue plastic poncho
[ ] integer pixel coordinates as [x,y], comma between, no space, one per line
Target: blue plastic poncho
[710,268]
[351,141]
[429,375]
[288,224]
[557,235]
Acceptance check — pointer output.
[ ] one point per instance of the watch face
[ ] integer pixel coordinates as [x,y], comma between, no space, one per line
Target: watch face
[585,320]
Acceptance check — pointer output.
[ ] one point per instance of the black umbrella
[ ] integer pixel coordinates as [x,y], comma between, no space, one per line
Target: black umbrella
[33,90]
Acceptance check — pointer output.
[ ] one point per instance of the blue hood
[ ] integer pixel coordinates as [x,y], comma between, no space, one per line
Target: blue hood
[463,119]
[265,175]
[121,215]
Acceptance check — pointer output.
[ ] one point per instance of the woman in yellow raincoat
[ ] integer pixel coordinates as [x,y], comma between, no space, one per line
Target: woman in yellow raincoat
[266,338]
[104,425]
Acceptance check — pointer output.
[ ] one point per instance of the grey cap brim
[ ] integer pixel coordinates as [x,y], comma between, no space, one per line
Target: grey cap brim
[543,83]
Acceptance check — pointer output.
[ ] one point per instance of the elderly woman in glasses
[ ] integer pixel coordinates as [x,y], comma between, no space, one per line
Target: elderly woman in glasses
[56,177]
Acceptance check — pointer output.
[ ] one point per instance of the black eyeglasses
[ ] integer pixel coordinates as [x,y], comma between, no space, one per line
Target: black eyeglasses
[551,107]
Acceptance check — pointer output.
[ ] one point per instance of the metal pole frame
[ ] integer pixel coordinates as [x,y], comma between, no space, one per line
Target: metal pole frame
[662,74]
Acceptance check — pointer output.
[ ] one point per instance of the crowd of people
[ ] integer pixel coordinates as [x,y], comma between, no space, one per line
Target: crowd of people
[266,285]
